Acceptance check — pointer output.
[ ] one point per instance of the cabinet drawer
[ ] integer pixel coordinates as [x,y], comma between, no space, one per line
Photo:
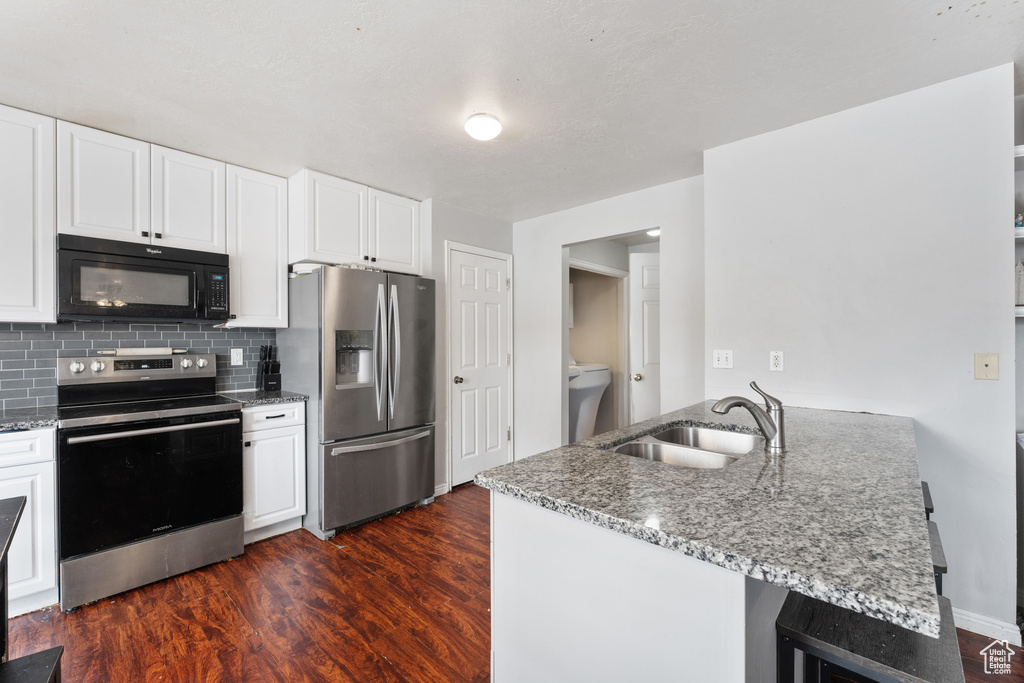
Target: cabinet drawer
[24,448]
[273,416]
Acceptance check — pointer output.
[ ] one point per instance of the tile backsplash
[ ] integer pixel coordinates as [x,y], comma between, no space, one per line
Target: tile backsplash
[29,353]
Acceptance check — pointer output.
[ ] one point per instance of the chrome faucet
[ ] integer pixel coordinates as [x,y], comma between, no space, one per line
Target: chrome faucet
[770,423]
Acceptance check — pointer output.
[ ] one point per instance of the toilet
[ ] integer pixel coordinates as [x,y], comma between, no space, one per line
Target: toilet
[587,384]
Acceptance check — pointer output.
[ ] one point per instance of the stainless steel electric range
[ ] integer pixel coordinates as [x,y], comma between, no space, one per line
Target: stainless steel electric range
[149,472]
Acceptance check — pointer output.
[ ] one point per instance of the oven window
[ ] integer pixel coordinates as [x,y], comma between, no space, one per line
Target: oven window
[117,287]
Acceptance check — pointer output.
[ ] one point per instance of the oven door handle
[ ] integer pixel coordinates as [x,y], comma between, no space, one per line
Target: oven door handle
[153,430]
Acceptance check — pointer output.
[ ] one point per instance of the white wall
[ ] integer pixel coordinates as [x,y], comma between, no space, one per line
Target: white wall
[603,253]
[441,222]
[541,311]
[873,247]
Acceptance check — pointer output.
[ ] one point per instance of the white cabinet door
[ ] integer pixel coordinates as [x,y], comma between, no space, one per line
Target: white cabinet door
[257,214]
[274,476]
[102,184]
[27,469]
[188,201]
[327,219]
[27,183]
[394,232]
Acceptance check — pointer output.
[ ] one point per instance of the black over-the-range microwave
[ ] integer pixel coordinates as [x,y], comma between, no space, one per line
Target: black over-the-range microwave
[101,279]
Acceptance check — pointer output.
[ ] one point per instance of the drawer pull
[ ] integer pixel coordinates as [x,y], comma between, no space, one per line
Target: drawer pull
[274,417]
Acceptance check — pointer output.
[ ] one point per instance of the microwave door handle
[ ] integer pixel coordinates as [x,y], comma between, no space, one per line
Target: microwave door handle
[396,358]
[379,341]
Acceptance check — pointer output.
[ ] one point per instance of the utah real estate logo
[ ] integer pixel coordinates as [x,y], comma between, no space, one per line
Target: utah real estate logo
[997,657]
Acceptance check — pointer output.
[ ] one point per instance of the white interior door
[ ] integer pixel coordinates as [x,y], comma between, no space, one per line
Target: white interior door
[644,336]
[479,363]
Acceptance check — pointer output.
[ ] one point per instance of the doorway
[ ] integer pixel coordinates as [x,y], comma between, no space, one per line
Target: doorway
[600,332]
[479,361]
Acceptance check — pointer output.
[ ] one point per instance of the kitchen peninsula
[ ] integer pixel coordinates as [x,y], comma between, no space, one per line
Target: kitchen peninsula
[605,566]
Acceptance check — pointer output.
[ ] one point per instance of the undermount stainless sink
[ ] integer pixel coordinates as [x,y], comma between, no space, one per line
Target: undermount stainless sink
[695,447]
[714,440]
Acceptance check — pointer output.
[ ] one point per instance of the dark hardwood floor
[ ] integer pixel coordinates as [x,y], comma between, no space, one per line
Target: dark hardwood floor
[403,599]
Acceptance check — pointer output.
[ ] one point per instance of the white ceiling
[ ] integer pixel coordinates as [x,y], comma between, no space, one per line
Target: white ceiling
[596,98]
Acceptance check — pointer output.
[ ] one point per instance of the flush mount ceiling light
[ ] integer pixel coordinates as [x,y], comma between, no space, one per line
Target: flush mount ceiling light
[654,233]
[483,127]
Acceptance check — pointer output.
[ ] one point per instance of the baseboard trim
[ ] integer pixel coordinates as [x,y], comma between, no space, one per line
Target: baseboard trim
[30,603]
[276,529]
[441,489]
[986,626]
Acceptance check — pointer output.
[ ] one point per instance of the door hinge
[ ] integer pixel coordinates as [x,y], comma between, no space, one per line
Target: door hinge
[508,283]
[509,434]
[508,359]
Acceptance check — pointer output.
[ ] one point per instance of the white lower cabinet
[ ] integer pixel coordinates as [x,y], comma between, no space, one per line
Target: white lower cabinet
[27,469]
[274,470]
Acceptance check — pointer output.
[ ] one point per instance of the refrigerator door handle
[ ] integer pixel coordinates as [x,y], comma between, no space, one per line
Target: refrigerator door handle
[379,351]
[378,445]
[396,358]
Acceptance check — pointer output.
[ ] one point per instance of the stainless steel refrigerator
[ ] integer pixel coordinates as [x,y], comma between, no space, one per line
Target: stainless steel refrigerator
[360,344]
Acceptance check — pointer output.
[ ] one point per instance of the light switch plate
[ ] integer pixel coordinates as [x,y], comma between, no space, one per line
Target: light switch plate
[721,359]
[986,366]
[236,357]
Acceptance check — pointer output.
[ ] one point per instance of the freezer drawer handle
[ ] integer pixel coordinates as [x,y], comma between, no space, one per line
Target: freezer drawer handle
[154,430]
[376,446]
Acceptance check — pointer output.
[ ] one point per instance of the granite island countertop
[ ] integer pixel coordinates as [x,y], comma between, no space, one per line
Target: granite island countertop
[838,517]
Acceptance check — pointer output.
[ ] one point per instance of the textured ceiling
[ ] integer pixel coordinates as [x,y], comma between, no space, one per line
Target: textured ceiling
[596,98]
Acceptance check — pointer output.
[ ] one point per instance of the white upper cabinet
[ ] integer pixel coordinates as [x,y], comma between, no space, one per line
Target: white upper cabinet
[102,184]
[394,232]
[326,219]
[331,220]
[27,260]
[257,242]
[187,201]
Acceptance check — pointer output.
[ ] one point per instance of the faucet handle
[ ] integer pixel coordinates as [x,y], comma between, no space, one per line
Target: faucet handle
[769,401]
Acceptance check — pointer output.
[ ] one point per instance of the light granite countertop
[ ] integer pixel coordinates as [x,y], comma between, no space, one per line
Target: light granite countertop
[838,517]
[258,397]
[18,419]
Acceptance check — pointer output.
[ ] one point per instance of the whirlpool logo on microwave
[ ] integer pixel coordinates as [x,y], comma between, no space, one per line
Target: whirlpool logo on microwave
[154,251]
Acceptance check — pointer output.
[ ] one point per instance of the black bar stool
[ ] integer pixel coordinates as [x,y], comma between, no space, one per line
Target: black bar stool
[835,640]
[928,507]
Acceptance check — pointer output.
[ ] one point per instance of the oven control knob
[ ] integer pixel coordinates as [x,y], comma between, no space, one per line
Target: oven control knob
[98,365]
[186,362]
[77,367]
[202,362]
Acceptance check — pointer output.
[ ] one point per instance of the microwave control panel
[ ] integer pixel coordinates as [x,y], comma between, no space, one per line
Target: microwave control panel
[216,292]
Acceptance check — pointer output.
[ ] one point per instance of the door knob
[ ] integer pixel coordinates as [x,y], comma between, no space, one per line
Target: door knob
[458,380]
[638,377]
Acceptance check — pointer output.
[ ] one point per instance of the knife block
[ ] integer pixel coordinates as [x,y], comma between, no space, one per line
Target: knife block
[272,382]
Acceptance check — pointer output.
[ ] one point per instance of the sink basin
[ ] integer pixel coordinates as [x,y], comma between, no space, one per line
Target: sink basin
[676,455]
[714,440]
[693,447]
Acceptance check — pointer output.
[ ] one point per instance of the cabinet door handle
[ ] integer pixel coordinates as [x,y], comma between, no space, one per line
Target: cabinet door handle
[145,233]
[158,235]
[248,443]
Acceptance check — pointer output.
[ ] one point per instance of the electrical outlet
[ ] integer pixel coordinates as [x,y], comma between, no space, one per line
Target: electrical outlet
[986,366]
[775,361]
[721,359]
[236,357]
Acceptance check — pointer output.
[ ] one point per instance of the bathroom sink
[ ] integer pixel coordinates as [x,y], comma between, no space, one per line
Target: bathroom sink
[714,440]
[695,447]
